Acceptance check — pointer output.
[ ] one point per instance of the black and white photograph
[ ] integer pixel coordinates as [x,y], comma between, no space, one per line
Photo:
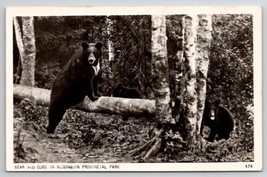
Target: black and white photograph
[134,88]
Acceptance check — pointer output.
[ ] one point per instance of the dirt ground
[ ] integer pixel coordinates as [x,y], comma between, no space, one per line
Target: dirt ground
[80,137]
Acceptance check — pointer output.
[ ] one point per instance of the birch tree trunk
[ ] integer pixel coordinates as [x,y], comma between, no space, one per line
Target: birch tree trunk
[27,50]
[160,70]
[160,75]
[18,35]
[110,43]
[190,95]
[179,75]
[108,63]
[180,60]
[160,84]
[202,63]
[18,45]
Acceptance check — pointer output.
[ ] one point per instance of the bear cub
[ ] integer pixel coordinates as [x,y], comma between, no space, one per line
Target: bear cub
[77,79]
[124,92]
[219,119]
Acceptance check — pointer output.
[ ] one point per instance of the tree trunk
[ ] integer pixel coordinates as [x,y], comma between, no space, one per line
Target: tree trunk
[180,60]
[202,63]
[179,75]
[18,35]
[122,106]
[160,75]
[160,70]
[190,95]
[110,43]
[29,52]
[108,63]
[18,45]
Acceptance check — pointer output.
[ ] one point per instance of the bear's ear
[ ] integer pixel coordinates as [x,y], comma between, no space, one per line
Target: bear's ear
[217,102]
[98,45]
[85,45]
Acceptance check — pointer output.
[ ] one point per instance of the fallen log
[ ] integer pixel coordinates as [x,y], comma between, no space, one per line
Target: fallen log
[114,105]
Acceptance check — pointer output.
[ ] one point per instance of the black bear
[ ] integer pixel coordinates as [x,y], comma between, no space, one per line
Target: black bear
[76,79]
[124,92]
[219,119]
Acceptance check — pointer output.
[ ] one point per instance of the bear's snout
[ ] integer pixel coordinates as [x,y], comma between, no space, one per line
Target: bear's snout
[212,115]
[91,59]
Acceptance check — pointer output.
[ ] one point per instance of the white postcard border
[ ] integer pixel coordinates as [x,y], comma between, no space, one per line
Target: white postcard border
[135,10]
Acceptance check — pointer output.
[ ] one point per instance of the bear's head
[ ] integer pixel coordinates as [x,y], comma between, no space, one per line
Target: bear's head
[210,110]
[91,53]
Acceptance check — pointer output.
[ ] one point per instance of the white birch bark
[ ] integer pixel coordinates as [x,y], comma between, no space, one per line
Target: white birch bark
[110,43]
[202,62]
[18,35]
[27,50]
[160,70]
[190,95]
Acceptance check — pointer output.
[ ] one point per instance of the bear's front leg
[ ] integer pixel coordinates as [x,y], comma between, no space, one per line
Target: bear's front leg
[212,135]
[95,84]
[55,115]
[91,92]
[201,129]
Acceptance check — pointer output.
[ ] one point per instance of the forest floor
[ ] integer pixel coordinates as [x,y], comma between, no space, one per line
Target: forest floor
[93,137]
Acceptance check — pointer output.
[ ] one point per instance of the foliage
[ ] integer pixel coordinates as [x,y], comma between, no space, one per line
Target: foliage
[231,71]
[131,36]
[93,137]
[231,61]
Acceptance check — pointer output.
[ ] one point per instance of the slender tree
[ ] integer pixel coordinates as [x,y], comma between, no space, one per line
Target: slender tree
[18,50]
[160,70]
[176,41]
[108,67]
[26,43]
[160,75]
[202,62]
[110,43]
[18,35]
[190,95]
[179,63]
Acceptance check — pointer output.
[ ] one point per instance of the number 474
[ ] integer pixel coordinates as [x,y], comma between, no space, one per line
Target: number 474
[249,166]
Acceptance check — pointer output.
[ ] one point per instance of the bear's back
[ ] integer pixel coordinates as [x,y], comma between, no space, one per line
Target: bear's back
[226,119]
